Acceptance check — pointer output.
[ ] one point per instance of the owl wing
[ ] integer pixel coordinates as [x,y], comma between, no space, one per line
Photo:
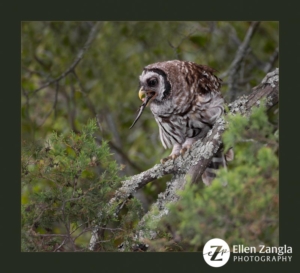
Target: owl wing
[209,107]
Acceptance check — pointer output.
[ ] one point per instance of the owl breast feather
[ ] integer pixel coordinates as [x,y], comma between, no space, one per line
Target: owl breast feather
[193,121]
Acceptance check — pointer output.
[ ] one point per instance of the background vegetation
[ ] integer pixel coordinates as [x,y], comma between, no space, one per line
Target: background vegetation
[66,176]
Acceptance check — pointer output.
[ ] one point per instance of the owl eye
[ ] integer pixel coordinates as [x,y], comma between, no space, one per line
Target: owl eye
[152,82]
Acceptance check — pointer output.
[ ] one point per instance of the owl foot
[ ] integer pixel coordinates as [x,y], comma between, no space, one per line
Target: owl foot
[170,157]
[182,151]
[185,149]
[175,153]
[164,160]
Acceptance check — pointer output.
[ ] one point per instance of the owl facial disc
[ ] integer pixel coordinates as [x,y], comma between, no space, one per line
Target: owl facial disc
[145,97]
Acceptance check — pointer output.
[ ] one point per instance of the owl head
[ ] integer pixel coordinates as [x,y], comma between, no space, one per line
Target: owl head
[154,86]
[167,86]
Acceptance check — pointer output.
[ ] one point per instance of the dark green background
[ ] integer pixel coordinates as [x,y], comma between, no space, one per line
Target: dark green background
[191,262]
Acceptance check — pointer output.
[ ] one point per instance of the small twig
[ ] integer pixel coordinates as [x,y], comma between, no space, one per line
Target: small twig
[98,123]
[26,94]
[96,243]
[78,227]
[124,156]
[40,73]
[50,235]
[63,242]
[90,105]
[66,223]
[100,228]
[257,63]
[53,107]
[39,216]
[272,61]
[80,54]
[81,88]
[242,50]
[175,48]
[232,72]
[74,199]
[72,112]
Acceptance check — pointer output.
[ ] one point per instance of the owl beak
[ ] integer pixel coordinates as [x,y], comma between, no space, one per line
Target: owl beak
[142,94]
[146,95]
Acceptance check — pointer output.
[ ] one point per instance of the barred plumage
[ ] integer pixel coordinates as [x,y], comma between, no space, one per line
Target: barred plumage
[185,100]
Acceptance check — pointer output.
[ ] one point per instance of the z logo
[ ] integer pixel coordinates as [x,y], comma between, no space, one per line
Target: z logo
[219,256]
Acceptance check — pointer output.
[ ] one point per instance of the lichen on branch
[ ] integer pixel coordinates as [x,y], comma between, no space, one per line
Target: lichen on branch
[198,157]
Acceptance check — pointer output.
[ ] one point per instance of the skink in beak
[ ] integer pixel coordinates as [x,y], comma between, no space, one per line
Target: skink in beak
[145,97]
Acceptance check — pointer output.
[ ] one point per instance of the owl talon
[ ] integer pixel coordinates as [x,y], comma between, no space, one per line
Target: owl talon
[164,160]
[185,149]
[172,157]
[182,151]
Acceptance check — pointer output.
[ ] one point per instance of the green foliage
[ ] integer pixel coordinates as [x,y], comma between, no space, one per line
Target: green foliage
[109,72]
[241,205]
[71,165]
[66,183]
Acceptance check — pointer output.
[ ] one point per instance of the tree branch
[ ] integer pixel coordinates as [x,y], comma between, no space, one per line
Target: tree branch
[80,54]
[234,68]
[272,61]
[199,157]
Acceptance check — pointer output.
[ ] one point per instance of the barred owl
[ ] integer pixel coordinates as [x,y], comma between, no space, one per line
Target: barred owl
[185,100]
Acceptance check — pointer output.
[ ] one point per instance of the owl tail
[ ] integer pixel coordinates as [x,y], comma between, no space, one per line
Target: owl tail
[219,160]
